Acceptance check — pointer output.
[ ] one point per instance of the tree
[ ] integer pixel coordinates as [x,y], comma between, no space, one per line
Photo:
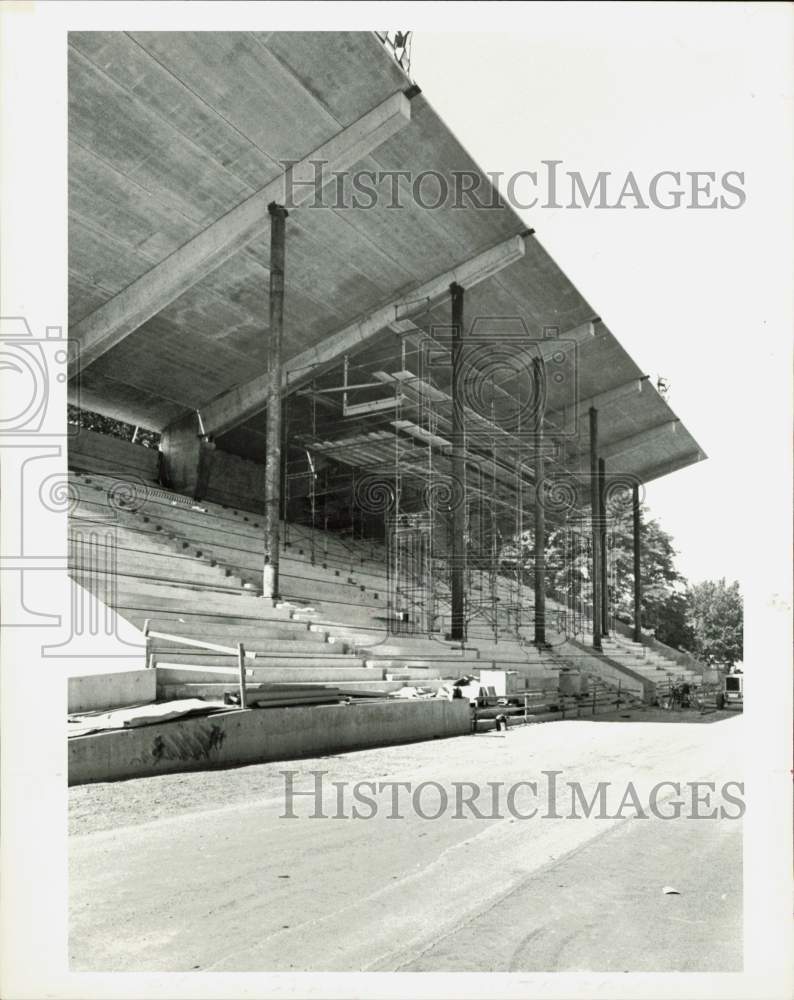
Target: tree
[662,584]
[716,618]
[569,562]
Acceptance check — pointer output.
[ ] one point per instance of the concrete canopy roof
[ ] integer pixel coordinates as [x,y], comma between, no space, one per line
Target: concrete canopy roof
[168,132]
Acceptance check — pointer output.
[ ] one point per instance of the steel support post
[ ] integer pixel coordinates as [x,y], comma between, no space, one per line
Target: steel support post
[595,529]
[458,574]
[635,504]
[603,547]
[540,510]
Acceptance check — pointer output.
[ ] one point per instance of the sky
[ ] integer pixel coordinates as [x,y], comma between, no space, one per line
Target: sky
[701,297]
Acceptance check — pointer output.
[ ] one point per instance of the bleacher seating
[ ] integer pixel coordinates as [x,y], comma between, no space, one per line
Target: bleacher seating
[193,571]
[188,569]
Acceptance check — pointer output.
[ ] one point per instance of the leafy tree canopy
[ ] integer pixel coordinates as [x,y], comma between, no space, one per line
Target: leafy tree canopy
[715,615]
[705,619]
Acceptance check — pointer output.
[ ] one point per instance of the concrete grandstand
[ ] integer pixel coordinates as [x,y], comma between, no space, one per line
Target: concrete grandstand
[373,399]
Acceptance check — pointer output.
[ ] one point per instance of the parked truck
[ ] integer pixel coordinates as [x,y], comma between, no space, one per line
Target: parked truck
[732,693]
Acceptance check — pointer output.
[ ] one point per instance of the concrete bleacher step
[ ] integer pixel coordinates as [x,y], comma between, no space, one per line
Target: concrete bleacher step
[143,554]
[252,642]
[215,690]
[638,654]
[659,665]
[648,662]
[352,616]
[247,562]
[183,654]
[142,593]
[392,647]
[171,671]
[235,543]
[120,581]
[224,628]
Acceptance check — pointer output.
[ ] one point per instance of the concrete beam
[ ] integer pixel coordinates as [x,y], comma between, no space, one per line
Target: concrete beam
[157,288]
[246,400]
[187,456]
[643,438]
[569,415]
[671,465]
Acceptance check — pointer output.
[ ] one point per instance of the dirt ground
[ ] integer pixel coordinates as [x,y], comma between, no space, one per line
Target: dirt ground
[203,870]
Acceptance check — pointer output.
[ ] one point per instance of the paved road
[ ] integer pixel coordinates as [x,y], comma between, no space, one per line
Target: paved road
[201,872]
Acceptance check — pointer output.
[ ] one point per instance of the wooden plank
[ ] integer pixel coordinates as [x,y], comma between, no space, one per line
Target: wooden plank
[165,282]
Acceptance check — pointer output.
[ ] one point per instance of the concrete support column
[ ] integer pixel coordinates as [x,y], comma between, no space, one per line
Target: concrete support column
[595,532]
[635,504]
[603,547]
[458,574]
[540,511]
[186,457]
[270,583]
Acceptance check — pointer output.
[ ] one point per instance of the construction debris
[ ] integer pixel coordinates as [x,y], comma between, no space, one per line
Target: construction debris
[409,691]
[139,715]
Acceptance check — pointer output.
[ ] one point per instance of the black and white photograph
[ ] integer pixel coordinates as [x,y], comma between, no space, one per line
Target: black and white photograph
[396,500]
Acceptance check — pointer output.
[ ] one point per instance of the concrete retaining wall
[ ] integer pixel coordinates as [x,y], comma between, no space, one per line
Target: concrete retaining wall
[236,482]
[116,689]
[112,456]
[233,481]
[258,735]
